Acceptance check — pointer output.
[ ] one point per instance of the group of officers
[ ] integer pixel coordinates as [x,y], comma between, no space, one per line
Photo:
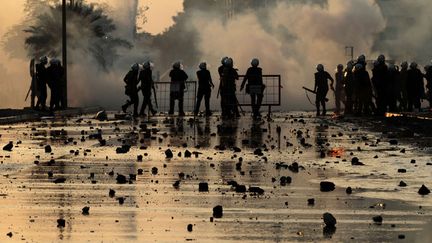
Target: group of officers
[44,76]
[142,79]
[392,88]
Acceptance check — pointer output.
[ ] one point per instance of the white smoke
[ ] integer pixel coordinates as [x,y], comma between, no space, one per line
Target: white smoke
[292,40]
[289,38]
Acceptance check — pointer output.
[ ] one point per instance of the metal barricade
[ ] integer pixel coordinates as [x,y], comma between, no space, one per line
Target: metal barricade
[163,96]
[272,93]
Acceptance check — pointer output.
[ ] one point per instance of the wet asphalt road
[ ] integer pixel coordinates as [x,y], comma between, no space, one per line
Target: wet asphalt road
[160,196]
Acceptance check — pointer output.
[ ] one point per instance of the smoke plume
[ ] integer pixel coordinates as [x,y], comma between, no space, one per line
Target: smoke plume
[289,37]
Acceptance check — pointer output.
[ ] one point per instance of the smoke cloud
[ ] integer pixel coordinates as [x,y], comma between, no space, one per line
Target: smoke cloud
[289,38]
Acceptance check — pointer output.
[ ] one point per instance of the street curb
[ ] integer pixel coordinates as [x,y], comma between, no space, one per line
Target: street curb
[57,114]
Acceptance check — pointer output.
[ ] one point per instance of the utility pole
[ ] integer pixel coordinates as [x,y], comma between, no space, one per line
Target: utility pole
[64,54]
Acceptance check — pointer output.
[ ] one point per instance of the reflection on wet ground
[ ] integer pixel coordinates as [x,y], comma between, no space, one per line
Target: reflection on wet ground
[263,174]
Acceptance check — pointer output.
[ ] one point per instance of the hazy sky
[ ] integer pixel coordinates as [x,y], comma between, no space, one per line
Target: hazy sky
[160,14]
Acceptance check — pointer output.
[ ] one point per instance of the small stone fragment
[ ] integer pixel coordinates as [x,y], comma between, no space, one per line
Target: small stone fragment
[402,184]
[378,219]
[348,190]
[59,180]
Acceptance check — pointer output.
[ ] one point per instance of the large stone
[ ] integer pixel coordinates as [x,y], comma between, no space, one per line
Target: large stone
[329,220]
[8,147]
[423,190]
[203,187]
[327,186]
[48,149]
[169,154]
[218,211]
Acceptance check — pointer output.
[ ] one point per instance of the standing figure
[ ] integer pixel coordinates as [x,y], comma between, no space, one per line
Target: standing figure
[147,85]
[131,89]
[205,84]
[254,87]
[41,83]
[339,91]
[349,88]
[321,88]
[178,85]
[380,80]
[356,86]
[393,88]
[403,78]
[415,87]
[428,76]
[55,79]
[33,85]
[228,89]
[364,90]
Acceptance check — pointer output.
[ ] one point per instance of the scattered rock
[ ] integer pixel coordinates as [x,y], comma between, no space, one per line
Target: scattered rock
[48,149]
[218,212]
[393,142]
[169,154]
[284,180]
[294,167]
[258,152]
[139,158]
[402,184]
[121,179]
[9,234]
[311,201]
[401,170]
[327,186]
[111,193]
[256,190]
[378,219]
[203,187]
[85,210]
[176,185]
[61,223]
[187,154]
[8,147]
[59,180]
[423,190]
[154,170]
[240,188]
[329,220]
[348,190]
[124,149]
[356,161]
[401,236]
[101,116]
[189,227]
